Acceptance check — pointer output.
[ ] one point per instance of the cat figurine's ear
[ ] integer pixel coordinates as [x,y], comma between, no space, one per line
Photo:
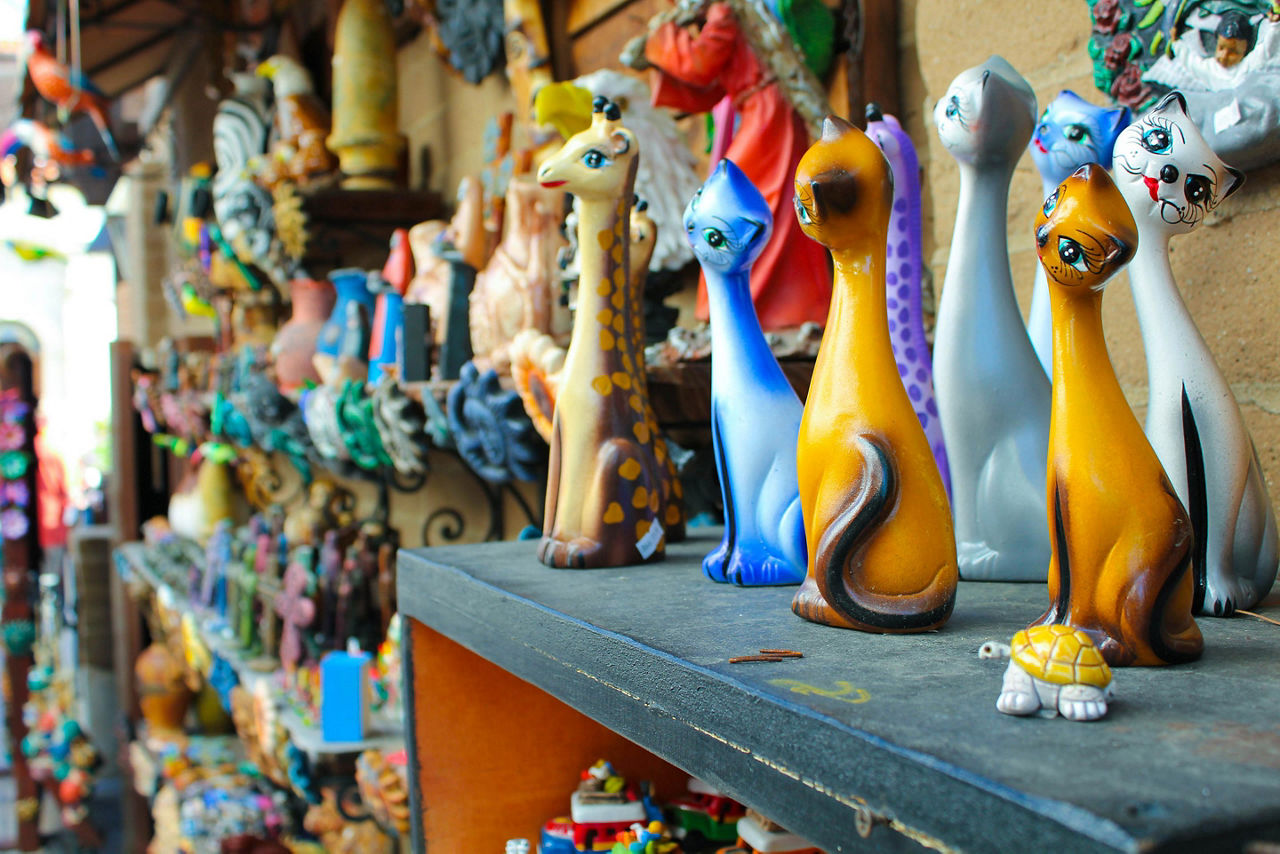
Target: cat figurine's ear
[1114,121]
[1237,180]
[1168,101]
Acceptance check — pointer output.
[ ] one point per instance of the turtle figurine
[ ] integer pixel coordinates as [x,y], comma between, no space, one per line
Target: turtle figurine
[1053,670]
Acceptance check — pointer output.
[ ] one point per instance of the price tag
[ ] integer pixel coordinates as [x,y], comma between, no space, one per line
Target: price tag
[648,544]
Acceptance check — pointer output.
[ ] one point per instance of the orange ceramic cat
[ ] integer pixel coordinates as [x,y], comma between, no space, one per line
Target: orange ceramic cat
[882,554]
[1121,540]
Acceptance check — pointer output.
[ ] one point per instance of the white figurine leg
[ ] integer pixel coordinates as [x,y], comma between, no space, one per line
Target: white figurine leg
[1082,702]
[1018,693]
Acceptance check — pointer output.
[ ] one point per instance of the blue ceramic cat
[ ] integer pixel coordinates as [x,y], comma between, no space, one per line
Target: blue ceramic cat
[755,413]
[1071,132]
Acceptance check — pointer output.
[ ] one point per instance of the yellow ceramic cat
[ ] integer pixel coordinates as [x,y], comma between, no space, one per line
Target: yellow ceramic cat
[1121,540]
[882,553]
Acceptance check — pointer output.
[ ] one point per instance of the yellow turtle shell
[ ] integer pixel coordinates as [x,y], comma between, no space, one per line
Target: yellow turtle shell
[1060,655]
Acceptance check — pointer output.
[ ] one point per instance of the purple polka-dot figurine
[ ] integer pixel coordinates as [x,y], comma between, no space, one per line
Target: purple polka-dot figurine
[907,237]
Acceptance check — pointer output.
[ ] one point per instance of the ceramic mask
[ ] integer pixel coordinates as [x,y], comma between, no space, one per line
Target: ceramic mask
[755,413]
[1171,180]
[993,396]
[1071,132]
[881,550]
[613,496]
[904,257]
[1121,539]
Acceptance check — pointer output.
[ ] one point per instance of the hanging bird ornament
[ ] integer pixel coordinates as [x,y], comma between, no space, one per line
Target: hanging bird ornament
[66,88]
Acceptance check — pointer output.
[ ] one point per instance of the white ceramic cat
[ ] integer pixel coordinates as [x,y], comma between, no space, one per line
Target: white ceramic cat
[1171,179]
[993,396]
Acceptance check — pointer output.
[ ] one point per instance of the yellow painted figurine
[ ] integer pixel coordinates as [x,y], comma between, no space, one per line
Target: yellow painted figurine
[1121,539]
[882,554]
[613,497]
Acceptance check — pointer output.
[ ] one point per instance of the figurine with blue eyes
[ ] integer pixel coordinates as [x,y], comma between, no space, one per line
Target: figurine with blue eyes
[1071,133]
[755,413]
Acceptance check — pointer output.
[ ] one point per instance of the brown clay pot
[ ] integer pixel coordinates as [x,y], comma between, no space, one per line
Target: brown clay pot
[295,343]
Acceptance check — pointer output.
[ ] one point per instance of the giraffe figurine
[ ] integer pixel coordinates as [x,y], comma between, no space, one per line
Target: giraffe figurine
[613,497]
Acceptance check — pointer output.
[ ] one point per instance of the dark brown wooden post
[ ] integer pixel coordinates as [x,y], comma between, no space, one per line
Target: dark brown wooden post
[20,559]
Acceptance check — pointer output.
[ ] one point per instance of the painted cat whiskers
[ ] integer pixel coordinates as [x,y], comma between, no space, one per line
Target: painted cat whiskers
[755,413]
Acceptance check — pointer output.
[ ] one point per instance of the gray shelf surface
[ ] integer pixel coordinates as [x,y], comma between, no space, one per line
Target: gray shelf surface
[900,730]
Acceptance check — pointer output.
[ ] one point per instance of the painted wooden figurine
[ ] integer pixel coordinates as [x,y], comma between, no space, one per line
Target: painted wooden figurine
[613,497]
[1053,670]
[1121,540]
[902,280]
[993,396]
[755,413]
[1071,132]
[1171,180]
[881,551]
[365,101]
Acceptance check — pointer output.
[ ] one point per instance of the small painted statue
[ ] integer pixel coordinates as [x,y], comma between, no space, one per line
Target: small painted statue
[1121,540]
[301,124]
[1171,180]
[613,496]
[1071,133]
[881,549]
[755,413]
[1053,670]
[993,396]
[902,279]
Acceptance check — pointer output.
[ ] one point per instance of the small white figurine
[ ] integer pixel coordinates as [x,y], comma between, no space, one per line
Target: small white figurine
[1053,670]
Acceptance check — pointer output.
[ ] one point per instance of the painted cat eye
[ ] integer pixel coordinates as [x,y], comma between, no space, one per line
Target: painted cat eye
[713,237]
[594,159]
[1157,141]
[1198,188]
[953,108]
[1076,133]
[1071,254]
[1051,203]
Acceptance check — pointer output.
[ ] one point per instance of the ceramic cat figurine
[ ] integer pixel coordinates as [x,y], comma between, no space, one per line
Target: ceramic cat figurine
[755,413]
[1122,541]
[1171,179]
[1071,133]
[881,548]
[613,496]
[905,258]
[993,396]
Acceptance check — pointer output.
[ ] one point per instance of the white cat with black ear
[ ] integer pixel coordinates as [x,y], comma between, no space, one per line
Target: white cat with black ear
[993,396]
[1171,179]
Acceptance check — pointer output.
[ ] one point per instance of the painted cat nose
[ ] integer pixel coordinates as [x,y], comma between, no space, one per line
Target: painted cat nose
[1169,173]
[1042,235]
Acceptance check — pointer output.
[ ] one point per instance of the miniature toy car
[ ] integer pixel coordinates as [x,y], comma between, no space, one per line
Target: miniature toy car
[705,810]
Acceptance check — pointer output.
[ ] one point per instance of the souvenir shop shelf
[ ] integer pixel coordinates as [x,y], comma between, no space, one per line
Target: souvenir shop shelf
[132,562]
[895,738]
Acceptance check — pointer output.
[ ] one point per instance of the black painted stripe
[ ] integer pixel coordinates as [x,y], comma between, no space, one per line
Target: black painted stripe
[1197,501]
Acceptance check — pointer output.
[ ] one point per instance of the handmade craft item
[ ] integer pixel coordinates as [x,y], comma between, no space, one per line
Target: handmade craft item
[294,346]
[47,146]
[755,413]
[386,340]
[613,497]
[1121,540]
[881,552]
[302,122]
[518,289]
[472,34]
[1071,132]
[490,430]
[344,705]
[1054,670]
[294,605]
[993,396]
[365,108]
[790,284]
[706,810]
[67,88]
[400,422]
[163,696]
[241,131]
[213,582]
[904,256]
[354,308]
[1171,180]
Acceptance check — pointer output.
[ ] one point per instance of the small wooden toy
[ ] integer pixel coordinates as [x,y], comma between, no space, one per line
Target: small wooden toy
[755,413]
[613,497]
[759,835]
[993,396]
[344,700]
[707,811]
[881,552]
[603,806]
[1055,670]
[1172,180]
[1121,540]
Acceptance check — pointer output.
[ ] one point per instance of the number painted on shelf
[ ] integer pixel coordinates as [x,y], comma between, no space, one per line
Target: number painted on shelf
[844,691]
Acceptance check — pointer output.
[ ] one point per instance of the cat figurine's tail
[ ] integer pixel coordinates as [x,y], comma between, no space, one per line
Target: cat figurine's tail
[840,552]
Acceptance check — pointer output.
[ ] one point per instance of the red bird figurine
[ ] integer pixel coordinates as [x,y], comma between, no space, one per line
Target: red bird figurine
[68,90]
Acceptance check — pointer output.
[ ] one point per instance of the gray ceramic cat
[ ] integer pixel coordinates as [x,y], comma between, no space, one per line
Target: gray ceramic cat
[1171,179]
[993,396]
